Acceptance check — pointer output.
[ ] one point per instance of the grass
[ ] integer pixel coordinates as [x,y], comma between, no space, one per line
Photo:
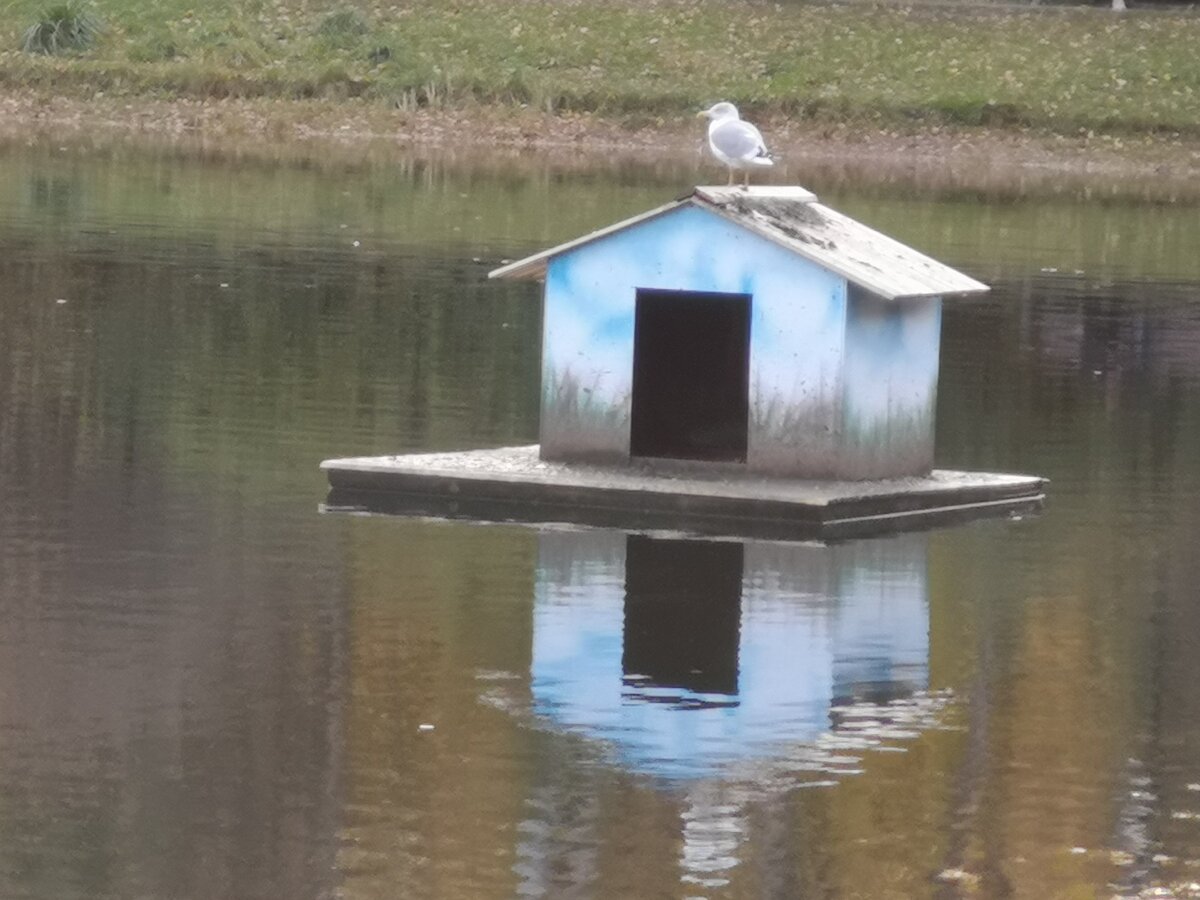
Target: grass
[62,28]
[1061,70]
[578,420]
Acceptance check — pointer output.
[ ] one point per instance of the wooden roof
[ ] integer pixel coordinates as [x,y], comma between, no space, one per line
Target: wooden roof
[792,218]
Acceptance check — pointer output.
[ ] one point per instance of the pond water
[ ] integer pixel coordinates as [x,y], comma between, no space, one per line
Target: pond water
[209,689]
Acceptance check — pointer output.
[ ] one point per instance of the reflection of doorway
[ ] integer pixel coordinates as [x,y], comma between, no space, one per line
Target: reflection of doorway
[691,375]
[683,612]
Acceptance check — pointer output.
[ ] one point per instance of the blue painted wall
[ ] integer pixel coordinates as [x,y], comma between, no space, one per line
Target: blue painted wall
[842,384]
[797,336]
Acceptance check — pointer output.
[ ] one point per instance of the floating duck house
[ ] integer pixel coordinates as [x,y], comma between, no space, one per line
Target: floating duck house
[741,361]
[754,327]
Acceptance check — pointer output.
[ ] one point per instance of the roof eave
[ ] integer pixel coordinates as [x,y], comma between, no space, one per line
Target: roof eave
[975,287]
[945,295]
[529,269]
[533,267]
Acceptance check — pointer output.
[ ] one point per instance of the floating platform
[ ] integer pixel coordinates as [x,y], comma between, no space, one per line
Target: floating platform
[511,484]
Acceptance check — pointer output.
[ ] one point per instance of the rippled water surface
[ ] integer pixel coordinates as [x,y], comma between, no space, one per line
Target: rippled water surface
[209,689]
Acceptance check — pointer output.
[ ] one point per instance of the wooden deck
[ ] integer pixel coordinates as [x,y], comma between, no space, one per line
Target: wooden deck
[513,484]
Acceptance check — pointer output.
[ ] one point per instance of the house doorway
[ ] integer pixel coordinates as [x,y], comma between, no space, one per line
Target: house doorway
[691,376]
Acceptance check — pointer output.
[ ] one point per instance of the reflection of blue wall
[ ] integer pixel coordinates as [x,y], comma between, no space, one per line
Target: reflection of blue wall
[819,626]
[837,388]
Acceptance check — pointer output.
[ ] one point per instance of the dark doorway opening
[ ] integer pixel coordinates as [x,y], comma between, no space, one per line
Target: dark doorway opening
[691,375]
[683,613]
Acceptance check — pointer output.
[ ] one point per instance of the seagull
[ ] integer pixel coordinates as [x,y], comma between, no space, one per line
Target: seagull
[736,143]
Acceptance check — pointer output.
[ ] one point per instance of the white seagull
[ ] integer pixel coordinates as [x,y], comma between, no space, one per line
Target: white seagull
[736,143]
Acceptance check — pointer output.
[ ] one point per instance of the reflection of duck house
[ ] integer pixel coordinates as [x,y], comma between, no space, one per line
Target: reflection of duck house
[727,674]
[693,658]
[756,327]
[747,338]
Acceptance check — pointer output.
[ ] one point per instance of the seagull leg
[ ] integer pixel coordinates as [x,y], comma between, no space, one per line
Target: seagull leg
[745,179]
[730,182]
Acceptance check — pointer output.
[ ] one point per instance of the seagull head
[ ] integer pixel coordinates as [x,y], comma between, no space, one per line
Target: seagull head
[722,110]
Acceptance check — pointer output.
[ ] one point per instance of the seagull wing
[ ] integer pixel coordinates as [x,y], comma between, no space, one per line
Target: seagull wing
[739,141]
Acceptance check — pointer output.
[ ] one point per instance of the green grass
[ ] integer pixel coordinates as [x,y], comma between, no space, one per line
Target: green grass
[1060,70]
[62,28]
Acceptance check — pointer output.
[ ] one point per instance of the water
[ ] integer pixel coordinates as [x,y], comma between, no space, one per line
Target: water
[208,689]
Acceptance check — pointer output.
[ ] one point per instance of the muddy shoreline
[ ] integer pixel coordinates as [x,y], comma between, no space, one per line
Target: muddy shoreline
[1000,161]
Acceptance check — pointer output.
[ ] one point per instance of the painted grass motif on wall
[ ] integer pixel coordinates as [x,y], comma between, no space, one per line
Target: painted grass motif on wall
[900,444]
[793,438]
[580,421]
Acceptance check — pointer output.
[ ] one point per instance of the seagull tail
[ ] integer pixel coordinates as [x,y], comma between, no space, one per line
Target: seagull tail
[764,157]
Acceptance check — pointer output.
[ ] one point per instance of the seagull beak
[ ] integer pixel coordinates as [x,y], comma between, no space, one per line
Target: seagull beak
[703,114]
